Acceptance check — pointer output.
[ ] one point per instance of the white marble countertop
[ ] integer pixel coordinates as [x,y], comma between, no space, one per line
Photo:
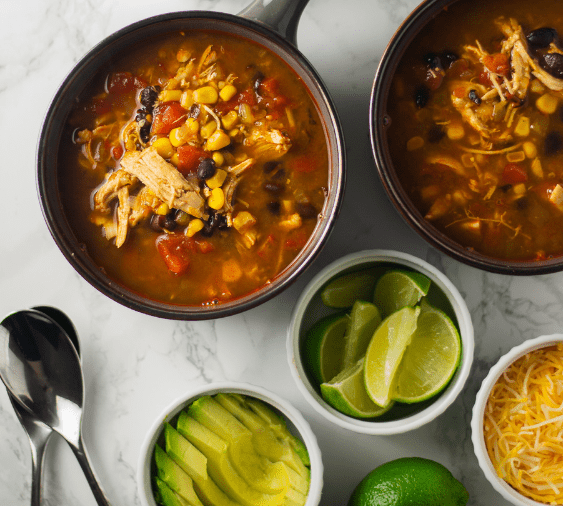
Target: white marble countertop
[135,365]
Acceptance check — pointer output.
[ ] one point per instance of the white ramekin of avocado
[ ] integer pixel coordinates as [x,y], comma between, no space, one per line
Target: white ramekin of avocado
[380,342]
[230,443]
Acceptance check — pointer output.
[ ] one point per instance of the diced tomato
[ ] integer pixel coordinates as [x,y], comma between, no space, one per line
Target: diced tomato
[296,240]
[460,92]
[189,158]
[247,97]
[460,69]
[484,78]
[175,249]
[544,189]
[269,86]
[124,82]
[304,164]
[204,246]
[167,116]
[514,174]
[117,152]
[434,79]
[100,106]
[497,63]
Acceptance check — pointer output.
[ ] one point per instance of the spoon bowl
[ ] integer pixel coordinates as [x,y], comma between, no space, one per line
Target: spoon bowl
[41,369]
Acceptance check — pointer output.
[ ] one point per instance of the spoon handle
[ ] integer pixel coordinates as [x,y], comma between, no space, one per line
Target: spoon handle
[82,457]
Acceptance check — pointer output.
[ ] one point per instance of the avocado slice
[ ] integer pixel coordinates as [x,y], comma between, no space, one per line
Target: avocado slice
[256,470]
[294,498]
[221,469]
[278,425]
[167,497]
[174,477]
[194,463]
[264,437]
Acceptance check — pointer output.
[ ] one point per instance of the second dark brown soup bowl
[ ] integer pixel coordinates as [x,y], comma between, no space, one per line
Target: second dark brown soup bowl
[380,122]
[273,27]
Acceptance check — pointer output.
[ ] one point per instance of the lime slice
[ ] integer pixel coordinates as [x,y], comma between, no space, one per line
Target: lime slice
[343,291]
[385,352]
[364,319]
[346,393]
[431,358]
[397,289]
[324,347]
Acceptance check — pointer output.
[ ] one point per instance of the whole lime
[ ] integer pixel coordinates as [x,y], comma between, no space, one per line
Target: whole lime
[409,481]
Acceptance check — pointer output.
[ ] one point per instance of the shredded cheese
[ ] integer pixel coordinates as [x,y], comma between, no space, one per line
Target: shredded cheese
[523,425]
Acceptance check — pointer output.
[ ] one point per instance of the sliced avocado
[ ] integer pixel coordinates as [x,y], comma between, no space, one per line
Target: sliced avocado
[191,460]
[294,498]
[256,470]
[298,482]
[184,453]
[167,497]
[221,469]
[278,425]
[175,477]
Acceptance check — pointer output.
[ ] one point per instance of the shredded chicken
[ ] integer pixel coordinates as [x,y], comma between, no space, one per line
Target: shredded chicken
[110,189]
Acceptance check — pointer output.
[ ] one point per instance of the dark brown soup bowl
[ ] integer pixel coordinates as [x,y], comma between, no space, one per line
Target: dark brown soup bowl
[380,125]
[273,27]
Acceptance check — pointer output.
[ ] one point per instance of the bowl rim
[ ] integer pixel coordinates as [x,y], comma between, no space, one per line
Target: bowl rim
[477,433]
[307,436]
[374,427]
[49,141]
[379,120]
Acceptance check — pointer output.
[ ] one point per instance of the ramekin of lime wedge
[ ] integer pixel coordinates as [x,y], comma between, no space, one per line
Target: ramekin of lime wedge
[380,342]
[230,443]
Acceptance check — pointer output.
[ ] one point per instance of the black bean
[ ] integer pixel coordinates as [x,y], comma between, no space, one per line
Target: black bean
[421,96]
[280,174]
[206,169]
[448,57]
[270,166]
[194,111]
[209,226]
[522,203]
[273,187]
[306,211]
[141,115]
[552,63]
[257,81]
[221,221]
[161,222]
[274,207]
[553,143]
[542,37]
[474,97]
[148,97]
[505,187]
[145,132]
[433,61]
[435,134]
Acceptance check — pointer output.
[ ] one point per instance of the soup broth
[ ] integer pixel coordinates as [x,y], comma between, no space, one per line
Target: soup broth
[194,169]
[476,134]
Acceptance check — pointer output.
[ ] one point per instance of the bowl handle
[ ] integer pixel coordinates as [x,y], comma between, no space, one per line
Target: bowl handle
[280,15]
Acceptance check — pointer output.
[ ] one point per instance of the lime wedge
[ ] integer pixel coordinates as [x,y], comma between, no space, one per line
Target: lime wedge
[385,352]
[343,291]
[324,347]
[364,319]
[397,289]
[346,393]
[431,358]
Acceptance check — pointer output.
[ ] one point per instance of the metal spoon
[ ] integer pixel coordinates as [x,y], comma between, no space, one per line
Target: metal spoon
[41,369]
[37,432]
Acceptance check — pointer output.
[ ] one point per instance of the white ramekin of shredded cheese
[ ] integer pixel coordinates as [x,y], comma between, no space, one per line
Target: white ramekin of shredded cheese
[517,423]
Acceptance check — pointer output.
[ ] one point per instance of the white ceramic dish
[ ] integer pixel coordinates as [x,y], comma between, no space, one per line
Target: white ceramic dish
[296,423]
[477,435]
[309,309]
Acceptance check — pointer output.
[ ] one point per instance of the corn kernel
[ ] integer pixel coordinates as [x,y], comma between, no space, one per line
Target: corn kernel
[207,129]
[217,180]
[217,199]
[170,96]
[175,159]
[415,143]
[187,99]
[547,103]
[522,128]
[228,92]
[245,112]
[178,136]
[229,120]
[206,95]
[516,156]
[536,86]
[530,149]
[218,140]
[218,158]
[162,209]
[519,189]
[163,147]
[243,221]
[194,227]
[537,168]
[292,222]
[193,125]
[231,271]
[455,131]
